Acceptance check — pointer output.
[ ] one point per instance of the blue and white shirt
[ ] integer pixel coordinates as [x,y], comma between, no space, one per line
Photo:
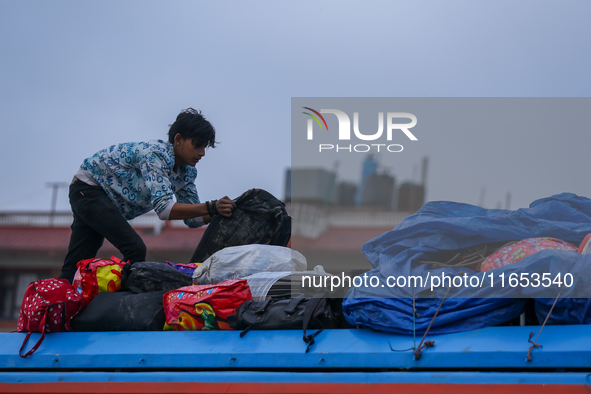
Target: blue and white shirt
[139,177]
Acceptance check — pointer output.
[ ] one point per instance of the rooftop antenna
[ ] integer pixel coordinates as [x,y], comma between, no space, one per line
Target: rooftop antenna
[482,196]
[424,170]
[55,186]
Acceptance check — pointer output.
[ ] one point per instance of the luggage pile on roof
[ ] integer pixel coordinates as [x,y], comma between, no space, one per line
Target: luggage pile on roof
[251,286]
[535,247]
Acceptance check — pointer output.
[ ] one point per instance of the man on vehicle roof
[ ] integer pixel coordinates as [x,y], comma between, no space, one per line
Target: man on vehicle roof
[126,180]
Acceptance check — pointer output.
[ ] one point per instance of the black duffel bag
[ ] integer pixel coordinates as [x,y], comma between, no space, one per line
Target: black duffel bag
[284,314]
[122,311]
[259,218]
[148,276]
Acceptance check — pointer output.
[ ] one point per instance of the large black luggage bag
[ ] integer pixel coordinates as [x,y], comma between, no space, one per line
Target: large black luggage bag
[147,276]
[259,218]
[122,311]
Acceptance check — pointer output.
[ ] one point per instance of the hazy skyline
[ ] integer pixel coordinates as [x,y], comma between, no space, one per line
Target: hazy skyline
[78,77]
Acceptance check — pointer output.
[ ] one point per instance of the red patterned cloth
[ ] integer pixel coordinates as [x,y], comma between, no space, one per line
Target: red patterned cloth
[517,250]
[204,307]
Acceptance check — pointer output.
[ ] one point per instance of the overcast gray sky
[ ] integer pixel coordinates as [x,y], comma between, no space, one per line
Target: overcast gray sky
[76,77]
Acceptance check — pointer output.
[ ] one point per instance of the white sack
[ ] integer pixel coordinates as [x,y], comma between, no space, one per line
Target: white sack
[240,261]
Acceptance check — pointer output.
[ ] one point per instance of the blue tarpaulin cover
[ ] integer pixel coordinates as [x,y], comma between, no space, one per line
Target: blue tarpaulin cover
[446,226]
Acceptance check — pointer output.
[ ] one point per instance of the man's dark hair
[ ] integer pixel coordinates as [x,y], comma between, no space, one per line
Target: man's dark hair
[191,124]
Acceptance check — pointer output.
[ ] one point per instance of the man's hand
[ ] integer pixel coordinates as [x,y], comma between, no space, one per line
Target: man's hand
[225,206]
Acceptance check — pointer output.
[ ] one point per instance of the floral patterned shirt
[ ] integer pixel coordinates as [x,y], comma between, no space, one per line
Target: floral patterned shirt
[139,177]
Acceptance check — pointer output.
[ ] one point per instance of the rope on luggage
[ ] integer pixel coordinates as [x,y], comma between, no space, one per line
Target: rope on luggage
[474,255]
[414,333]
[429,343]
[531,334]
[414,348]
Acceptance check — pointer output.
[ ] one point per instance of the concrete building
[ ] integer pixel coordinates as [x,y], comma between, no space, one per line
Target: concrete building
[411,197]
[378,191]
[310,185]
[346,194]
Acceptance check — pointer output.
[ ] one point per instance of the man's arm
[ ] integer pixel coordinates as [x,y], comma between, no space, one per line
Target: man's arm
[179,210]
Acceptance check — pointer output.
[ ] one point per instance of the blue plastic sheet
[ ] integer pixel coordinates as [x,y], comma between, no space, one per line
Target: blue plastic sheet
[566,310]
[444,226]
[455,315]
